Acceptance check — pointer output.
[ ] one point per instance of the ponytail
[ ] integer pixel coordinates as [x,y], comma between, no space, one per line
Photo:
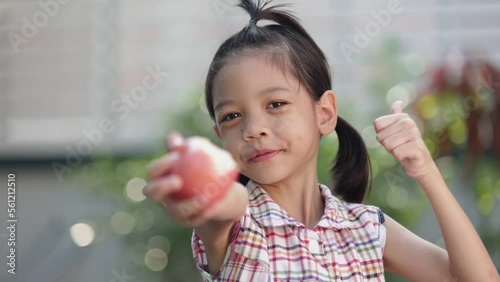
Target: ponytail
[351,168]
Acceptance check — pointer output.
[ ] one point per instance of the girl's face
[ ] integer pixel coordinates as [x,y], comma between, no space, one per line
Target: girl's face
[269,125]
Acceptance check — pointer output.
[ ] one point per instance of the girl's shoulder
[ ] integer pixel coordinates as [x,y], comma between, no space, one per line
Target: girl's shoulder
[350,215]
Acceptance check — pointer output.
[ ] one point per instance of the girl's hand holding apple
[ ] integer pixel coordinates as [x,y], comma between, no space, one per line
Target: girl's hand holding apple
[192,180]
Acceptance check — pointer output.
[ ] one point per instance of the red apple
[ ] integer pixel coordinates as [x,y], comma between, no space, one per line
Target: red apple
[205,169]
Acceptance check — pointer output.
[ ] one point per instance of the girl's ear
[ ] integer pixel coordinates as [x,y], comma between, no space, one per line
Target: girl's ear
[326,112]
[216,129]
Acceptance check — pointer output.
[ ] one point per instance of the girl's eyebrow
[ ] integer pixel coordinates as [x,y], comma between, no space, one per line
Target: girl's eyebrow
[273,89]
[222,104]
[267,90]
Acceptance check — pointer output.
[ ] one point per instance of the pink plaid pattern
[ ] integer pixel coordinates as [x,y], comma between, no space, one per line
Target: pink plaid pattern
[269,245]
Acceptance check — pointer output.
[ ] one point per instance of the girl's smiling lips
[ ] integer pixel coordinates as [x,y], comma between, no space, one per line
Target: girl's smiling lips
[262,155]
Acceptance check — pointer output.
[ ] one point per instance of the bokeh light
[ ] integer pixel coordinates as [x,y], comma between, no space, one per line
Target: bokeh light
[428,106]
[82,234]
[160,242]
[398,92]
[134,188]
[414,64]
[122,222]
[156,259]
[457,131]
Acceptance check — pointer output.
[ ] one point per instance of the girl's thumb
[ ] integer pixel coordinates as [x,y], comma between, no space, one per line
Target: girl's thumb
[175,141]
[397,107]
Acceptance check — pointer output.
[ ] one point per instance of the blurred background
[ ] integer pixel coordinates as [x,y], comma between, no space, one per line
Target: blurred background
[88,90]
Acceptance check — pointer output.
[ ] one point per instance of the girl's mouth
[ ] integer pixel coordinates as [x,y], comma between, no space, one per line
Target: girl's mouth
[265,156]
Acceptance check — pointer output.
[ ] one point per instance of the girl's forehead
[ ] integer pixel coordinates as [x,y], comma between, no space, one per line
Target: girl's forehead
[251,75]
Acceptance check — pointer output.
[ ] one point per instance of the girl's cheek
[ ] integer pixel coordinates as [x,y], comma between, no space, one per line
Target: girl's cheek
[228,144]
[281,122]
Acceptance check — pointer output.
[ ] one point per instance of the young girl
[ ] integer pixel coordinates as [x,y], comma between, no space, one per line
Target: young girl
[268,91]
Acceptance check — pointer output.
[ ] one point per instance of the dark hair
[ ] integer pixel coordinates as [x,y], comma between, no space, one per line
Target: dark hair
[298,54]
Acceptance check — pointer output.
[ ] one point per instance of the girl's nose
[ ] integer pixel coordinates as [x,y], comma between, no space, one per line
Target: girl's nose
[254,128]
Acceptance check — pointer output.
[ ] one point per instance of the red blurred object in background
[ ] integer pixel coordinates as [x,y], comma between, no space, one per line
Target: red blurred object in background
[460,107]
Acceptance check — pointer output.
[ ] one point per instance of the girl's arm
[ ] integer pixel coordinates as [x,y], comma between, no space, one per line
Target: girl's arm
[412,257]
[466,258]
[218,222]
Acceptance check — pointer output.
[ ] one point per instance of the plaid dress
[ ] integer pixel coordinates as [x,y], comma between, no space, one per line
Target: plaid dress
[268,245]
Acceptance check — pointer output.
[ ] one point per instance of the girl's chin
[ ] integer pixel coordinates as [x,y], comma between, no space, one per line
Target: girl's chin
[271,178]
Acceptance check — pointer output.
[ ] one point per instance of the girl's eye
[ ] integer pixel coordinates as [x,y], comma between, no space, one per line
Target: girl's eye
[229,117]
[278,104]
